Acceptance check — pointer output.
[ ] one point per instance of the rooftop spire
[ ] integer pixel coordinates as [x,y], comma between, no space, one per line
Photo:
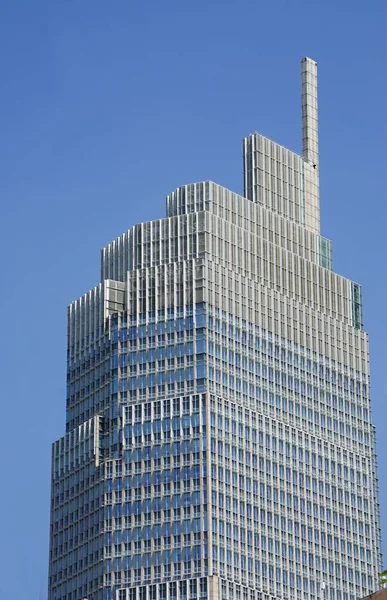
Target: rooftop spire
[309,111]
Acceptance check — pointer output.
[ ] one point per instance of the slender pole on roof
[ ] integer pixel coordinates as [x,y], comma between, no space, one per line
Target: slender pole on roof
[309,111]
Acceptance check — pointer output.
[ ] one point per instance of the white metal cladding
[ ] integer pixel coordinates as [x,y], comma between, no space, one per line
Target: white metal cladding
[268,248]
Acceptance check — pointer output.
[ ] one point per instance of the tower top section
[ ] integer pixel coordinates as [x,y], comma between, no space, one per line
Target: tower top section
[280,180]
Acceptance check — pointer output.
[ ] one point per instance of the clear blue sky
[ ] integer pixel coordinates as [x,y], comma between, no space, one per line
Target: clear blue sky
[108,105]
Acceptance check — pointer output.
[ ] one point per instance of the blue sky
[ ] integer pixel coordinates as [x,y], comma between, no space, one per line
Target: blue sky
[107,106]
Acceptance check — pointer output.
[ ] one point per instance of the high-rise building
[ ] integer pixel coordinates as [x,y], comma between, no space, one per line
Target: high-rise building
[218,438]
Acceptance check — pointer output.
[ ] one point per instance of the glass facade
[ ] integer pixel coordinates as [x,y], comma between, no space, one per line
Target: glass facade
[218,441]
